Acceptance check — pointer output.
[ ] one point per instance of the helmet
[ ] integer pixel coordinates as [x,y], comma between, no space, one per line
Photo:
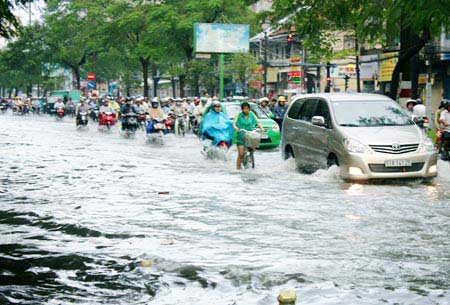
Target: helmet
[409,102]
[264,99]
[443,103]
[446,104]
[203,100]
[215,103]
[128,99]
[282,98]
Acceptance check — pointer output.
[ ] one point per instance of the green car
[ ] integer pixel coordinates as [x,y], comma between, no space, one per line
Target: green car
[271,136]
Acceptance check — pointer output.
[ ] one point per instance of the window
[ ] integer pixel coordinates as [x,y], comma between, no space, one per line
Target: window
[324,111]
[308,109]
[295,109]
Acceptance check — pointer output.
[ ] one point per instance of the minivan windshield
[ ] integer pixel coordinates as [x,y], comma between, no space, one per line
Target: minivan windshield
[369,114]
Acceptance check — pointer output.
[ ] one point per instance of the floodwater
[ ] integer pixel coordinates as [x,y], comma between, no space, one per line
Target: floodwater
[93,218]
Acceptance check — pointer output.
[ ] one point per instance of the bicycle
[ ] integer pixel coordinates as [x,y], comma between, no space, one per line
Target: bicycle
[252,140]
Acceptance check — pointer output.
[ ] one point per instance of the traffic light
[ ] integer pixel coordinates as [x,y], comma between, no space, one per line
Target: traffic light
[290,38]
[346,78]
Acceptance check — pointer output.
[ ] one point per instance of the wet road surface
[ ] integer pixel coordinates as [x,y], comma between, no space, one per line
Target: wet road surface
[81,211]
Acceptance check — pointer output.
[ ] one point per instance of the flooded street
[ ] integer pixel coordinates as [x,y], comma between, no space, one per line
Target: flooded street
[92,218]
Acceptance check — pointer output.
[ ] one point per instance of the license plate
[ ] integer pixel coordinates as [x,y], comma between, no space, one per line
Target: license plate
[398,163]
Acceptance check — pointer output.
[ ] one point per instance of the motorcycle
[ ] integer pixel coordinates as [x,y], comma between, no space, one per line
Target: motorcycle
[3,108]
[83,120]
[170,123]
[129,125]
[107,119]
[141,119]
[94,113]
[193,125]
[59,114]
[155,131]
[219,151]
[180,124]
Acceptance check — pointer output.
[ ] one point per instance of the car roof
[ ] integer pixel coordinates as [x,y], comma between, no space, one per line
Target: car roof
[347,97]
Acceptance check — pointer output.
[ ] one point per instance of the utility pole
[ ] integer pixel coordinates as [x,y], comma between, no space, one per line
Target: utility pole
[358,81]
[29,14]
[429,50]
[266,40]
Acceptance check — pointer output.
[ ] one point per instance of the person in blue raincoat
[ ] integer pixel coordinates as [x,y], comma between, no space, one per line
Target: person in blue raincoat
[216,126]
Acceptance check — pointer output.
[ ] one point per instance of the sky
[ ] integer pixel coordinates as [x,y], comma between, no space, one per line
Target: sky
[23,15]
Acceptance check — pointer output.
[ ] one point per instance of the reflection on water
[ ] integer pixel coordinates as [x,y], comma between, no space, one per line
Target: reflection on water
[89,218]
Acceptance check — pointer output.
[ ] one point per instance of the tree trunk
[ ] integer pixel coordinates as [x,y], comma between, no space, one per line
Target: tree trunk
[144,64]
[182,79]
[76,72]
[405,55]
[174,86]
[196,86]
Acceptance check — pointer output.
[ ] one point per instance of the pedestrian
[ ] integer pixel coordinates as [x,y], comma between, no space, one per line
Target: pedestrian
[280,110]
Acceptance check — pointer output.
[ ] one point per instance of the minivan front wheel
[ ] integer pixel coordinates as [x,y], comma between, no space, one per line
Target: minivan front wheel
[288,153]
[332,161]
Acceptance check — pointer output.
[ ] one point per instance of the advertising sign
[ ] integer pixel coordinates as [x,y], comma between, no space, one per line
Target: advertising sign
[341,71]
[369,67]
[387,65]
[221,38]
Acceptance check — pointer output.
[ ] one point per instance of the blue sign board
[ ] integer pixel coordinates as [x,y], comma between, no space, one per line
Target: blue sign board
[221,38]
[91,84]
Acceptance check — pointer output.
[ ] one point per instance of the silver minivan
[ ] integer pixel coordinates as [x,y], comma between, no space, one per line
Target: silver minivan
[367,135]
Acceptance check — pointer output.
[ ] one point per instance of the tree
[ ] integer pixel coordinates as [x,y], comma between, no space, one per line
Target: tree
[9,24]
[182,14]
[371,20]
[140,31]
[72,32]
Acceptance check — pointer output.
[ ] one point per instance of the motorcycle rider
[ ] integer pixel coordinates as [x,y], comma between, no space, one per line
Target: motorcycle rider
[165,106]
[263,103]
[128,109]
[410,107]
[245,120]
[200,109]
[104,109]
[82,108]
[272,104]
[216,125]
[179,108]
[437,123]
[445,124]
[280,110]
[154,114]
[59,104]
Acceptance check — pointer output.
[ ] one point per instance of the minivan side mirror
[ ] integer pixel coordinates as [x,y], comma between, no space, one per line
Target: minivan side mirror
[271,116]
[318,121]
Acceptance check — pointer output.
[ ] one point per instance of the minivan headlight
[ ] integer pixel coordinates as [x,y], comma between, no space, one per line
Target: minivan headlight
[427,145]
[355,146]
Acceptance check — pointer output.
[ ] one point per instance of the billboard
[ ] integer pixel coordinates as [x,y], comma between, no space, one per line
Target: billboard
[388,61]
[445,46]
[221,38]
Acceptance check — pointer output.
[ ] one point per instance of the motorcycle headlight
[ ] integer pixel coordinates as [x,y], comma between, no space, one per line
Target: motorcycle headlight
[427,145]
[355,146]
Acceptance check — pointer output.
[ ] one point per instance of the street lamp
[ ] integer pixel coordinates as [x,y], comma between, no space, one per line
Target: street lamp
[265,27]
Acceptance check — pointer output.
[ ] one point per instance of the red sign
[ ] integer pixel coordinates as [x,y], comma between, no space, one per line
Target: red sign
[294,73]
[90,76]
